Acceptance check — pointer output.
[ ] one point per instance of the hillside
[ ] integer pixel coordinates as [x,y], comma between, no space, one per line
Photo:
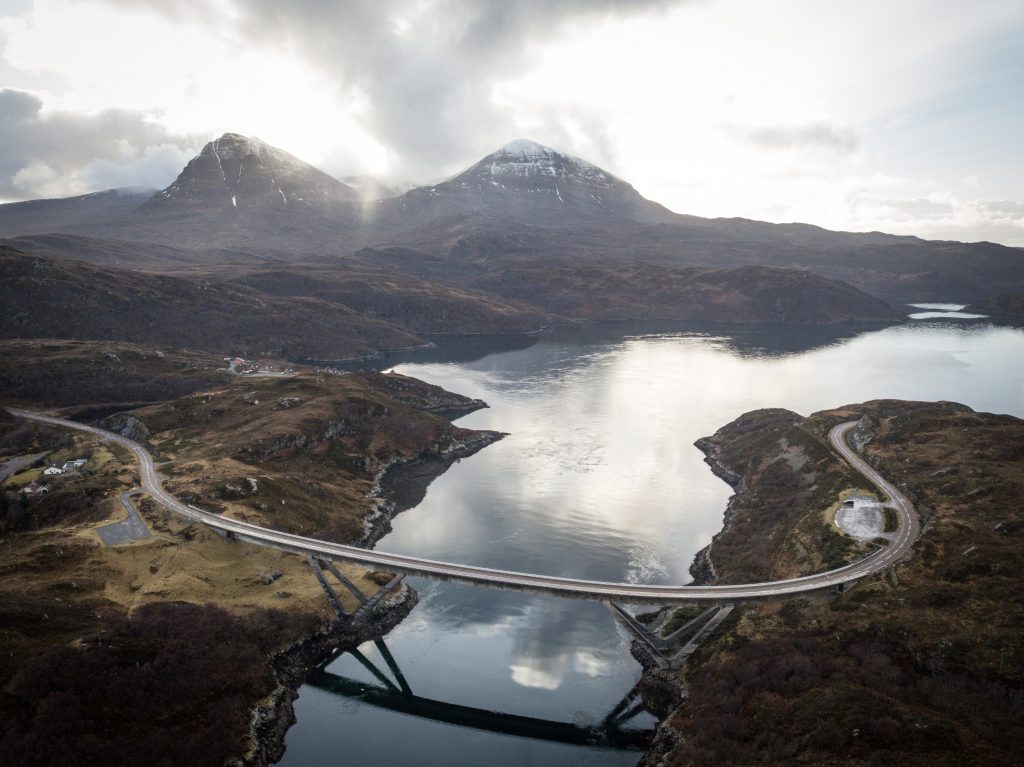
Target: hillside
[119,254]
[919,666]
[89,631]
[415,304]
[240,191]
[70,213]
[1007,306]
[648,291]
[40,298]
[314,444]
[48,373]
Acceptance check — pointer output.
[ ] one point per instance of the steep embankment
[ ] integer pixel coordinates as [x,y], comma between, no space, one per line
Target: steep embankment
[921,666]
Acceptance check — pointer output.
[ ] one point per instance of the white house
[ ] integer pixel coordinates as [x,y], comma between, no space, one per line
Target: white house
[49,471]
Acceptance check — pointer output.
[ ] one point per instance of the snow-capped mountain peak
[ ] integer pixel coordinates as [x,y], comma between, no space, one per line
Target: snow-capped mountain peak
[524,179]
[524,157]
[235,172]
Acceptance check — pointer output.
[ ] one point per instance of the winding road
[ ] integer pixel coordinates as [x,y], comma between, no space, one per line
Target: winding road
[571,588]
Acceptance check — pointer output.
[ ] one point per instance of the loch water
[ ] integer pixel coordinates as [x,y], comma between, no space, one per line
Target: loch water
[598,478]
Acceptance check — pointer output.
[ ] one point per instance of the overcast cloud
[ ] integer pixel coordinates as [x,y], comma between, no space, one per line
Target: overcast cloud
[425,70]
[60,153]
[794,110]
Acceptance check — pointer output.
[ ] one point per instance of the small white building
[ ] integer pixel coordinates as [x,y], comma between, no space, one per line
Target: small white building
[50,471]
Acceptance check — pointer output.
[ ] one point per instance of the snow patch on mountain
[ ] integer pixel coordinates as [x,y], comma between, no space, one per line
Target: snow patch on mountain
[524,157]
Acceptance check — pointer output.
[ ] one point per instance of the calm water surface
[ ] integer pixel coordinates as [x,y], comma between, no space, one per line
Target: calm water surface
[597,479]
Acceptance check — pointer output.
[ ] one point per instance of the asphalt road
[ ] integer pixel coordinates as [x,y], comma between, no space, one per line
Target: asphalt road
[15,465]
[129,529]
[504,579]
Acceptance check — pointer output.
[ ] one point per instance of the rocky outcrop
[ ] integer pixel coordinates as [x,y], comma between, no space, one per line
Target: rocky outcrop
[424,397]
[127,426]
[260,451]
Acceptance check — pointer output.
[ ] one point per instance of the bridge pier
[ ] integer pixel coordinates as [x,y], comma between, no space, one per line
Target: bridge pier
[845,586]
[677,660]
[645,636]
[366,603]
[660,647]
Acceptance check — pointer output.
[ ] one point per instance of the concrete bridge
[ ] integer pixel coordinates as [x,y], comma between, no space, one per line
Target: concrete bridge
[322,553]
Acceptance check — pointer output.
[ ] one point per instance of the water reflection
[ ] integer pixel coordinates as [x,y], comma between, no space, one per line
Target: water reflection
[599,479]
[745,340]
[341,679]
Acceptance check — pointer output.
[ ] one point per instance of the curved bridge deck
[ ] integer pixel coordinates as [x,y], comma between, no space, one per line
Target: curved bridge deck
[570,588]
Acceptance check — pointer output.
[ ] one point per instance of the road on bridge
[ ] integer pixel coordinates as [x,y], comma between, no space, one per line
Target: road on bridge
[571,588]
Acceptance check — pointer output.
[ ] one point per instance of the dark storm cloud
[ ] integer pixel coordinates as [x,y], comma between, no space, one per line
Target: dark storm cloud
[424,70]
[43,153]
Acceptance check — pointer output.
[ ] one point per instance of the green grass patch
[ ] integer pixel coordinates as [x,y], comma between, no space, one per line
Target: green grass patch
[24,477]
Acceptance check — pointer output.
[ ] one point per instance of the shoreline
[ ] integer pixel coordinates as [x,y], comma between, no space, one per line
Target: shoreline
[702,569]
[273,716]
[401,484]
[663,691]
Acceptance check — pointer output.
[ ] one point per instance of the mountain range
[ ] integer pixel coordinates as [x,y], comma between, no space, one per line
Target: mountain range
[525,236]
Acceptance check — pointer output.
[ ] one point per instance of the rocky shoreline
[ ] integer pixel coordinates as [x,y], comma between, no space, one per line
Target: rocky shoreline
[272,716]
[398,486]
[702,569]
[661,689]
[401,484]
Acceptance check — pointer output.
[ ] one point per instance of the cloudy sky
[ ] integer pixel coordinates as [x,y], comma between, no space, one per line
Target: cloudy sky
[905,117]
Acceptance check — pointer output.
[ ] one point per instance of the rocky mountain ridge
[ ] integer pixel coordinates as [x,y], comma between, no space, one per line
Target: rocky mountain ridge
[523,201]
[240,173]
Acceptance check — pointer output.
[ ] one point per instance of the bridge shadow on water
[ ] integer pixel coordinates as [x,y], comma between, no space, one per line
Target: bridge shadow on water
[396,695]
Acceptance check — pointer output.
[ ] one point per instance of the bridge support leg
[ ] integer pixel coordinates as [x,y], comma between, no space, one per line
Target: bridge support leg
[332,595]
[654,643]
[697,639]
[382,592]
[845,586]
[366,604]
[356,592]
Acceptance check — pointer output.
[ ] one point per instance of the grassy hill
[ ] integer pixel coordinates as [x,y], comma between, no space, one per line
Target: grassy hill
[921,665]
